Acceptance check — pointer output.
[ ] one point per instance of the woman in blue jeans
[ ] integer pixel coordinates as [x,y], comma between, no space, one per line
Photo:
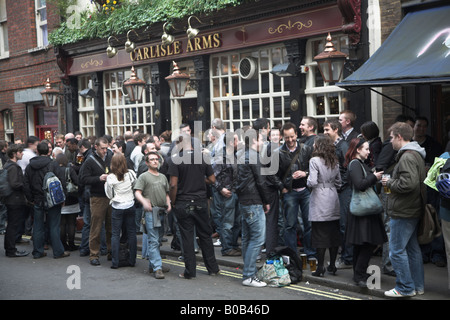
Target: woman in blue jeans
[119,188]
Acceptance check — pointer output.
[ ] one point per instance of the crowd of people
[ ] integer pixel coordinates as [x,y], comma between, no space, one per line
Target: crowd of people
[253,189]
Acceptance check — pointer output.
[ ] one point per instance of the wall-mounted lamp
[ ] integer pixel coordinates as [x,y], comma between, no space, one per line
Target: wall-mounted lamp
[129,45]
[285,70]
[111,51]
[330,62]
[177,81]
[49,95]
[166,38]
[87,93]
[192,32]
[134,87]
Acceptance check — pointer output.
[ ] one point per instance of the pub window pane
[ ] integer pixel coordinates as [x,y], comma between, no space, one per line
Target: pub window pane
[264,60]
[224,65]
[320,105]
[265,86]
[215,66]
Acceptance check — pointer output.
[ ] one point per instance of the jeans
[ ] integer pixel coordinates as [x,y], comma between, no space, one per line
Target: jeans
[52,217]
[119,218]
[153,253]
[230,224]
[405,255]
[190,215]
[253,237]
[215,209]
[292,201]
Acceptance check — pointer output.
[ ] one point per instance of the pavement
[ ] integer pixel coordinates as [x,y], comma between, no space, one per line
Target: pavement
[436,278]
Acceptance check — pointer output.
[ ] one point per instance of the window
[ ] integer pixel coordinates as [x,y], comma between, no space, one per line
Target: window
[4,46]
[120,113]
[239,100]
[323,100]
[86,108]
[41,23]
[8,125]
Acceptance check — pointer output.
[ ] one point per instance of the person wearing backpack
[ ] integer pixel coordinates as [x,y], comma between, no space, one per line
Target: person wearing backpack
[71,207]
[15,202]
[33,183]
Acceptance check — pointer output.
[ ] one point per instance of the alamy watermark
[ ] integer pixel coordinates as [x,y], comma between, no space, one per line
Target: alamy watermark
[74,280]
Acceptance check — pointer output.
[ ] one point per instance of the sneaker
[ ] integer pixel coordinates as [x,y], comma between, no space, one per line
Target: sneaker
[254,282]
[164,269]
[420,292]
[217,243]
[159,274]
[340,264]
[393,293]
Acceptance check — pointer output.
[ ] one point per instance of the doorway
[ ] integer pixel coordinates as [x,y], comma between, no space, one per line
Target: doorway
[189,111]
[46,122]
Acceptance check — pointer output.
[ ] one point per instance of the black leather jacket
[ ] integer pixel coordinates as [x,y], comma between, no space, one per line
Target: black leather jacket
[302,164]
[251,184]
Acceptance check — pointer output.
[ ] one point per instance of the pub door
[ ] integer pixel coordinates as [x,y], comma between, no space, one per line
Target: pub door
[45,123]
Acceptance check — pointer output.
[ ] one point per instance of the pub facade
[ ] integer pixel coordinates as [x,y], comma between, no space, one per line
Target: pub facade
[246,62]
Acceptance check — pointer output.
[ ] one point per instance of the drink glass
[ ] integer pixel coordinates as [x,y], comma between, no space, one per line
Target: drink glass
[304,262]
[312,264]
[386,188]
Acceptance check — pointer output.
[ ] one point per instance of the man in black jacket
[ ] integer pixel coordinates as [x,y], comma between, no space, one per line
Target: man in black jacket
[189,174]
[253,195]
[15,203]
[93,174]
[34,178]
[293,172]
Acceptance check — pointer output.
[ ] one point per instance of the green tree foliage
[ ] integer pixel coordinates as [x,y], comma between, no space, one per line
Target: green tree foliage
[130,15]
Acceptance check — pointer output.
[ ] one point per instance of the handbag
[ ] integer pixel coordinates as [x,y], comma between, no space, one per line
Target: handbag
[71,187]
[365,203]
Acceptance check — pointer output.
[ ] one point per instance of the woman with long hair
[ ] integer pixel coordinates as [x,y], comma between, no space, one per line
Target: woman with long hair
[324,211]
[364,233]
[119,188]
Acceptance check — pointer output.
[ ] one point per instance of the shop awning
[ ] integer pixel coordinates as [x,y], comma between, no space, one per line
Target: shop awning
[416,52]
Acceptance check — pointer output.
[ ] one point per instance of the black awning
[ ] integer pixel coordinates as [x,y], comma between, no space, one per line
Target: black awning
[416,52]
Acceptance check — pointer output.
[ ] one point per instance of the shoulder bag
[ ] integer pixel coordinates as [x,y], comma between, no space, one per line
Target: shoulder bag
[365,203]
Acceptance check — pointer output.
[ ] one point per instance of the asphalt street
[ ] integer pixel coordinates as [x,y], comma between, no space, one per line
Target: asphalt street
[73,278]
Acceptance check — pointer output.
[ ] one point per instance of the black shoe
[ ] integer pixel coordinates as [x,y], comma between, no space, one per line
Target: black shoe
[362,284]
[95,262]
[84,253]
[319,272]
[18,254]
[332,269]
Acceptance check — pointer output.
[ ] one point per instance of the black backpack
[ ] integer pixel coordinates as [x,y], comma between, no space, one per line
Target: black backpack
[5,188]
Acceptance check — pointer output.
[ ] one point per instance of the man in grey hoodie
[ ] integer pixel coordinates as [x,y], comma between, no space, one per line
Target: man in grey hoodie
[405,207]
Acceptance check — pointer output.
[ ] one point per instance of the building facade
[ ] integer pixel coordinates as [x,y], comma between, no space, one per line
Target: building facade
[26,61]
[230,62]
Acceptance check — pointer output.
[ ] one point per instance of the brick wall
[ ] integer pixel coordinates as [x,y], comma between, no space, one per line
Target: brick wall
[24,70]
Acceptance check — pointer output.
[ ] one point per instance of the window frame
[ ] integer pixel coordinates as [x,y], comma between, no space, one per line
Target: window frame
[41,36]
[4,50]
[328,91]
[254,105]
